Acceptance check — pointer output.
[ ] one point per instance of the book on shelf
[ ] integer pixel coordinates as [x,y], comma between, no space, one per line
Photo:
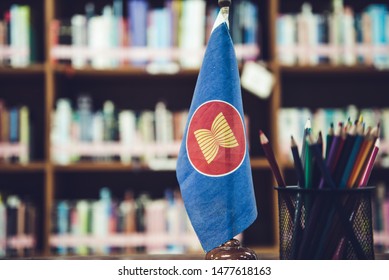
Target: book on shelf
[17,226]
[162,38]
[130,225]
[137,22]
[114,134]
[292,121]
[380,208]
[17,42]
[3,231]
[15,133]
[338,37]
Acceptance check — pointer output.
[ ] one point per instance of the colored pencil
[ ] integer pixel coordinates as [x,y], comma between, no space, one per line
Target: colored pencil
[307,130]
[271,159]
[308,165]
[345,153]
[275,169]
[361,158]
[366,173]
[335,150]
[354,150]
[330,137]
[315,148]
[299,200]
[297,163]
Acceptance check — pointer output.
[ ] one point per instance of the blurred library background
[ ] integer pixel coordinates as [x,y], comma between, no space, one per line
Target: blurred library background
[94,96]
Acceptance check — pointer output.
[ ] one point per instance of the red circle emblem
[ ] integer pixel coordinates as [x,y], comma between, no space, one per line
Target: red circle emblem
[215,142]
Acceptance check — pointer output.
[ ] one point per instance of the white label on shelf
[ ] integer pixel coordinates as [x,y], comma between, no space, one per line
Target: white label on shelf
[257,79]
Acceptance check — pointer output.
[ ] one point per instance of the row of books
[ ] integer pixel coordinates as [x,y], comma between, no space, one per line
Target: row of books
[381,217]
[110,134]
[291,122]
[16,37]
[14,133]
[17,226]
[337,37]
[131,225]
[165,36]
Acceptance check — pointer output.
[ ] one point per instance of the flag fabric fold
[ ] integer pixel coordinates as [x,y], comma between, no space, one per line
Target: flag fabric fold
[213,167]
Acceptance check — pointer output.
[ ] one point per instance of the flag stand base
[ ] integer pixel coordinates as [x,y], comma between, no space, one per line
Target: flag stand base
[231,250]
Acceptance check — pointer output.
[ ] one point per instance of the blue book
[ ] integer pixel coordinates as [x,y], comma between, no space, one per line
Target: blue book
[250,23]
[358,34]
[14,125]
[137,15]
[323,34]
[162,31]
[378,13]
[118,16]
[63,226]
[84,104]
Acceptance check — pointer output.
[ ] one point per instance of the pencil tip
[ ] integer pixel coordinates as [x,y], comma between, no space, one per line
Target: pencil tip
[263,137]
[308,123]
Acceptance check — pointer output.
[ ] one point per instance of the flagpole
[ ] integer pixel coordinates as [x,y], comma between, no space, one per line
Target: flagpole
[232,249]
[224,5]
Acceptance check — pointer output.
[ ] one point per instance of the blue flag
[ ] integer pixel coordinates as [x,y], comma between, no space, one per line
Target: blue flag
[213,167]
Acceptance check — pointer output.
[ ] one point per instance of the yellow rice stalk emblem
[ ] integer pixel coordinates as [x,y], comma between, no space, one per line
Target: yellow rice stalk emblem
[220,135]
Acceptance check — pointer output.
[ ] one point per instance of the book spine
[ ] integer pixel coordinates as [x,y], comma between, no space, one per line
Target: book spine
[30,227]
[109,121]
[163,125]
[14,125]
[24,35]
[84,104]
[155,225]
[127,127]
[82,207]
[79,39]
[118,28]
[349,37]
[24,133]
[12,223]
[378,15]
[14,41]
[192,33]
[61,130]
[137,20]
[3,33]
[62,221]
[20,231]
[3,228]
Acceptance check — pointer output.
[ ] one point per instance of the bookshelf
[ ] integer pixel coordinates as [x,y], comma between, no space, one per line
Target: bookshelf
[43,82]
[332,84]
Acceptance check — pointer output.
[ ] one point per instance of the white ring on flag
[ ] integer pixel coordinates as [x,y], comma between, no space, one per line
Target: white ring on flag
[244,135]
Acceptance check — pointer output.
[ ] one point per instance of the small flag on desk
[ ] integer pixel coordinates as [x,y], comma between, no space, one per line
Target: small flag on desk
[213,167]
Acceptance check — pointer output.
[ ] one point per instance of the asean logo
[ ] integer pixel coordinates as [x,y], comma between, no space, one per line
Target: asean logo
[215,142]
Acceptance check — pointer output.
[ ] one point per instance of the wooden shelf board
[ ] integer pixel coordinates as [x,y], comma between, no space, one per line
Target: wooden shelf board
[256,163]
[320,69]
[98,167]
[117,72]
[259,163]
[29,70]
[17,167]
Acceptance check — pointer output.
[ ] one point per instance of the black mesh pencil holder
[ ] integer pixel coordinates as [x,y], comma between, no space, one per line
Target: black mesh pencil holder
[325,223]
